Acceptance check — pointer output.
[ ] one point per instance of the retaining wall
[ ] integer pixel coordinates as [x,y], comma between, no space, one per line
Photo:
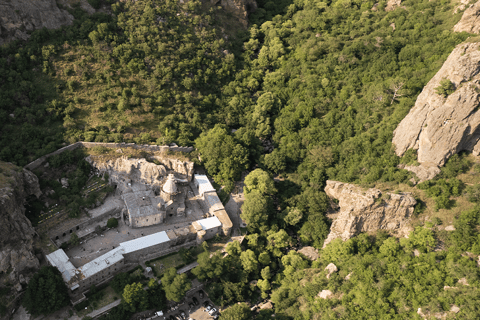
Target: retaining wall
[152,148]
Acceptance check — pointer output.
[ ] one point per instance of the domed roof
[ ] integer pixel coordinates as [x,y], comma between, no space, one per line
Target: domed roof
[170,186]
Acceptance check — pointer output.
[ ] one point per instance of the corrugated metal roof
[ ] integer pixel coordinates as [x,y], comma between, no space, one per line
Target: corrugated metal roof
[145,242]
[60,260]
[209,223]
[213,202]
[102,262]
[203,184]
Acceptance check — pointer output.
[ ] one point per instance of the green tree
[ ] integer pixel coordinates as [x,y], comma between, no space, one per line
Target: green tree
[46,292]
[135,297]
[259,181]
[156,295]
[266,274]
[112,223]
[264,258]
[208,267]
[445,88]
[237,312]
[223,156]
[255,211]
[249,261]
[234,248]
[175,285]
[74,240]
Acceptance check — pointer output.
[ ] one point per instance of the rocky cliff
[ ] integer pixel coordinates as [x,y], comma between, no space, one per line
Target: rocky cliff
[440,125]
[368,211]
[123,168]
[239,8]
[16,231]
[19,17]
[470,21]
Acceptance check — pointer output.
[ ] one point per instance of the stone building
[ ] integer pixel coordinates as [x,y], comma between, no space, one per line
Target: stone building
[130,252]
[144,208]
[211,202]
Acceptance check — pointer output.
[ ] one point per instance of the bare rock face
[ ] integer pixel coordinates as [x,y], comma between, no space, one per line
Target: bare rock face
[470,21]
[20,16]
[239,8]
[392,5]
[368,211]
[123,168]
[440,126]
[423,172]
[16,231]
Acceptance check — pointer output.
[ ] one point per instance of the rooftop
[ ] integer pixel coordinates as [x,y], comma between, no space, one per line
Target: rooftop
[209,223]
[144,242]
[100,263]
[203,184]
[213,202]
[170,186]
[60,260]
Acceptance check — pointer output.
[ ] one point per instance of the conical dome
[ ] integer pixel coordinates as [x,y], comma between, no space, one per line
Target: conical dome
[170,186]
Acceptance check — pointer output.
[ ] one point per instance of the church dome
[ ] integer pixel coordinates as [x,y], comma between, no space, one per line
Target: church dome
[170,186]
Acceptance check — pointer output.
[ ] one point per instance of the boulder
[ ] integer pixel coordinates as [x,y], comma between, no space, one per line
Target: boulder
[325,294]
[368,211]
[440,126]
[470,21]
[238,8]
[331,268]
[392,5]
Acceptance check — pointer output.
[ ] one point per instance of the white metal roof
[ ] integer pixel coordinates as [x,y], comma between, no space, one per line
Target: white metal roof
[60,260]
[203,184]
[102,262]
[145,242]
[213,202]
[209,223]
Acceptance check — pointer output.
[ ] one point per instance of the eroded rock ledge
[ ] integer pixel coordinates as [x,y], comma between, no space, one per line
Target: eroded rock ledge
[440,126]
[16,231]
[368,211]
[470,21]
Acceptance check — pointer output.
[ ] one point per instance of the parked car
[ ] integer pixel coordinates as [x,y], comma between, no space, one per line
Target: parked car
[215,317]
[209,307]
[195,301]
[212,311]
[201,294]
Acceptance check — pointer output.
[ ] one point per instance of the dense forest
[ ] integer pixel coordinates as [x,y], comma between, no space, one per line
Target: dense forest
[311,90]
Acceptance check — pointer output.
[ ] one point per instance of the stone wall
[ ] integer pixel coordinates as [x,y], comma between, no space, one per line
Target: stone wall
[151,148]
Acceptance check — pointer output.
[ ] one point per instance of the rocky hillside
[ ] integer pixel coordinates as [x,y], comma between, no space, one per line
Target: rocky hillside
[19,17]
[16,231]
[368,211]
[470,21]
[238,8]
[442,124]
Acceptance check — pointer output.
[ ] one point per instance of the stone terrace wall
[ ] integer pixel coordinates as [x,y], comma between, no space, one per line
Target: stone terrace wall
[152,148]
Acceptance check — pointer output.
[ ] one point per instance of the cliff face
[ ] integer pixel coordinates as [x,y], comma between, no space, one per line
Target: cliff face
[16,231]
[20,16]
[440,126]
[239,8]
[470,21]
[123,168]
[368,211]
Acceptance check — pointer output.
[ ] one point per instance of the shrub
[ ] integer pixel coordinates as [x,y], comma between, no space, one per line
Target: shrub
[112,223]
[445,88]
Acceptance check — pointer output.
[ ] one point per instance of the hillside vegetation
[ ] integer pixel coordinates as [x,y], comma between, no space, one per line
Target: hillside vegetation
[311,91]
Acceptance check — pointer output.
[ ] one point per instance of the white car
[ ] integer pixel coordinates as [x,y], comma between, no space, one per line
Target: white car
[211,312]
[209,307]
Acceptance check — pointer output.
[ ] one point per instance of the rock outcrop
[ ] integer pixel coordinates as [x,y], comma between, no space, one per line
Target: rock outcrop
[440,126]
[122,169]
[19,17]
[238,8]
[470,21]
[16,231]
[368,211]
